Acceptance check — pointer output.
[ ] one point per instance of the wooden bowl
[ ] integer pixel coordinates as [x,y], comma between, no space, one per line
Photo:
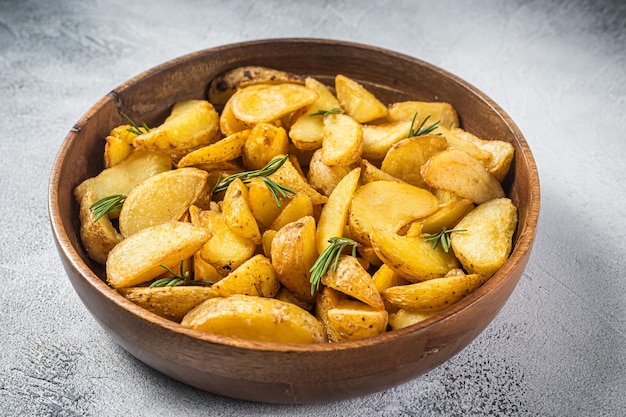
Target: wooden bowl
[281,373]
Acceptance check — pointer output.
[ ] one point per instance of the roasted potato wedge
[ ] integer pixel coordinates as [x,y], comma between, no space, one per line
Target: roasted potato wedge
[123,177]
[298,207]
[162,198]
[169,302]
[379,138]
[137,258]
[293,253]
[447,216]
[434,294]
[115,151]
[412,257]
[352,320]
[357,101]
[323,177]
[291,177]
[263,105]
[254,277]
[440,112]
[334,215]
[307,131]
[191,125]
[371,173]
[224,150]
[263,144]
[388,206]
[237,213]
[457,171]
[501,152]
[405,158]
[404,318]
[256,318]
[352,279]
[342,144]
[226,84]
[487,242]
[98,237]
[263,204]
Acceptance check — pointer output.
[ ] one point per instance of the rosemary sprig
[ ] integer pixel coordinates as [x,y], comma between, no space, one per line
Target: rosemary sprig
[174,280]
[442,237]
[108,204]
[329,256]
[133,127]
[323,112]
[421,130]
[276,189]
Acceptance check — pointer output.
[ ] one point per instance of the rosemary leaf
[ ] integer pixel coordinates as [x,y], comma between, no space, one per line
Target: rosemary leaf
[330,256]
[323,112]
[105,205]
[421,130]
[442,238]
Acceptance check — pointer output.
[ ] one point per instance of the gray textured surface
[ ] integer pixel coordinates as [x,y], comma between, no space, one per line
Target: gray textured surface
[558,68]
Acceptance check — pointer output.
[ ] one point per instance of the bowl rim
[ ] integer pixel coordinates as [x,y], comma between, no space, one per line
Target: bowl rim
[520,250]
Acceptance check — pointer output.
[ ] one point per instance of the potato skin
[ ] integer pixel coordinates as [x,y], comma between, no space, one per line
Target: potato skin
[488,240]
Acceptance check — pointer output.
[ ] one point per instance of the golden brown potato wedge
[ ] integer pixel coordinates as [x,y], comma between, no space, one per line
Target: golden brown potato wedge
[379,138]
[256,318]
[115,151]
[457,171]
[334,215]
[293,253]
[298,207]
[502,152]
[224,150]
[434,294]
[263,144]
[123,177]
[456,139]
[263,204]
[352,320]
[352,279]
[357,101]
[322,177]
[412,257]
[203,271]
[405,318]
[162,198]
[237,213]
[169,302]
[308,129]
[342,144]
[447,216]
[405,158]
[226,251]
[488,240]
[389,206]
[291,177]
[384,278]
[440,112]
[226,84]
[191,125]
[371,173]
[254,277]
[137,258]
[98,237]
[263,105]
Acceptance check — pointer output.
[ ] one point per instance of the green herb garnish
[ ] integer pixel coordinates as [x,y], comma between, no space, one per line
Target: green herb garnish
[421,130]
[442,237]
[323,112]
[276,189]
[105,205]
[329,256]
[133,127]
[174,280]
